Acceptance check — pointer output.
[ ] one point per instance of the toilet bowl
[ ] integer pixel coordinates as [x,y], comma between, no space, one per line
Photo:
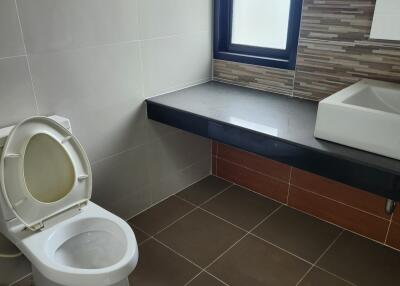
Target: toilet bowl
[45,209]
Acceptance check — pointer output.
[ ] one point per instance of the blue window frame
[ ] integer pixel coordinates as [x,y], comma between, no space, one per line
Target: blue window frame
[224,49]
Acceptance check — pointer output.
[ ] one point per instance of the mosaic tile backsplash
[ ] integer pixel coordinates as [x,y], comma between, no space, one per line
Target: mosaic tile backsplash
[334,52]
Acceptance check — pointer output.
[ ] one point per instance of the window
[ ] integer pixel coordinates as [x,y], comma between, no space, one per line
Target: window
[260,32]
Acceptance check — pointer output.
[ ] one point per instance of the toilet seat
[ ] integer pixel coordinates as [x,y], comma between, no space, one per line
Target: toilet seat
[44,171]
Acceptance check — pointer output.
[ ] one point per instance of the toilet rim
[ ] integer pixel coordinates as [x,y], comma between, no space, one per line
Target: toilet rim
[37,248]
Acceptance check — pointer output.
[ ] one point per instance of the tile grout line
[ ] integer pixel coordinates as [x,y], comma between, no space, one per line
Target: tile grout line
[341,227]
[335,275]
[314,216]
[284,250]
[234,244]
[132,148]
[204,269]
[119,43]
[216,159]
[289,184]
[254,171]
[250,190]
[245,234]
[320,257]
[20,279]
[27,60]
[13,57]
[181,217]
[196,207]
[313,265]
[154,204]
[177,253]
[339,202]
[388,230]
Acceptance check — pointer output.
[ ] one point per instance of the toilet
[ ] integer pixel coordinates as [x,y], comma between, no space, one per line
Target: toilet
[45,209]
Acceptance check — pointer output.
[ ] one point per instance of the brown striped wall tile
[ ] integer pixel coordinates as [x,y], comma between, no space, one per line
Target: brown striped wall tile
[325,67]
[252,180]
[340,214]
[339,20]
[262,78]
[340,192]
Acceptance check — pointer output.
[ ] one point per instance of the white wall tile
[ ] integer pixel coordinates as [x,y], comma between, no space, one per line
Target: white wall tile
[16,95]
[100,90]
[175,62]
[163,187]
[197,15]
[11,43]
[176,151]
[161,18]
[119,182]
[90,64]
[58,24]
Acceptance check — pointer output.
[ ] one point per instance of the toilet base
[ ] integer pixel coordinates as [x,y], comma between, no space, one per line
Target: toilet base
[40,280]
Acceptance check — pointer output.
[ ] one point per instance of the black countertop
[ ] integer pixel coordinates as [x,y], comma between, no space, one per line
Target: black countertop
[276,117]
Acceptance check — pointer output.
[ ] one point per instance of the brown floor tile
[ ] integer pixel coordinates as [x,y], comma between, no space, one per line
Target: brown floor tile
[339,214]
[257,263]
[254,162]
[319,277]
[140,235]
[28,281]
[340,192]
[393,238]
[362,261]
[160,266]
[205,280]
[241,207]
[298,233]
[203,190]
[256,182]
[200,237]
[159,216]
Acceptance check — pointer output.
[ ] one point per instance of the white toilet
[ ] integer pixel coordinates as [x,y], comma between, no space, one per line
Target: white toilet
[45,209]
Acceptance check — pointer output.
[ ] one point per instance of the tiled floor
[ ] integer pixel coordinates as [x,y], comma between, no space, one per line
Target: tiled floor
[214,234]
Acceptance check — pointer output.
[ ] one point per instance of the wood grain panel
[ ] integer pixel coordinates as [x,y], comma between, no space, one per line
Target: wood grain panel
[256,182]
[339,214]
[340,192]
[254,162]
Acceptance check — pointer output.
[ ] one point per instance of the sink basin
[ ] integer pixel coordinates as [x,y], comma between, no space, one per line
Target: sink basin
[365,115]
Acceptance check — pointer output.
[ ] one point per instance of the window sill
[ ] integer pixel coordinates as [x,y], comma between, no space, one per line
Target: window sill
[254,60]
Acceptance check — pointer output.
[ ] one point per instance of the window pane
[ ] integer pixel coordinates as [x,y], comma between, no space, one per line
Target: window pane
[260,23]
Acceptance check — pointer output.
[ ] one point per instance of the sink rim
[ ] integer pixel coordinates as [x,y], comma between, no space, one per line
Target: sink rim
[339,97]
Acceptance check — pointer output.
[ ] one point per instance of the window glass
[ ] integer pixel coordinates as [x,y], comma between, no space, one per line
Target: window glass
[260,23]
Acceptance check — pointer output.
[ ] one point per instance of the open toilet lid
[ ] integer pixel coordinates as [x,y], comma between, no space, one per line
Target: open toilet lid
[44,171]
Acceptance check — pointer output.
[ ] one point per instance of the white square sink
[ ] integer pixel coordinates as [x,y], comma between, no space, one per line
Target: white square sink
[365,115]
